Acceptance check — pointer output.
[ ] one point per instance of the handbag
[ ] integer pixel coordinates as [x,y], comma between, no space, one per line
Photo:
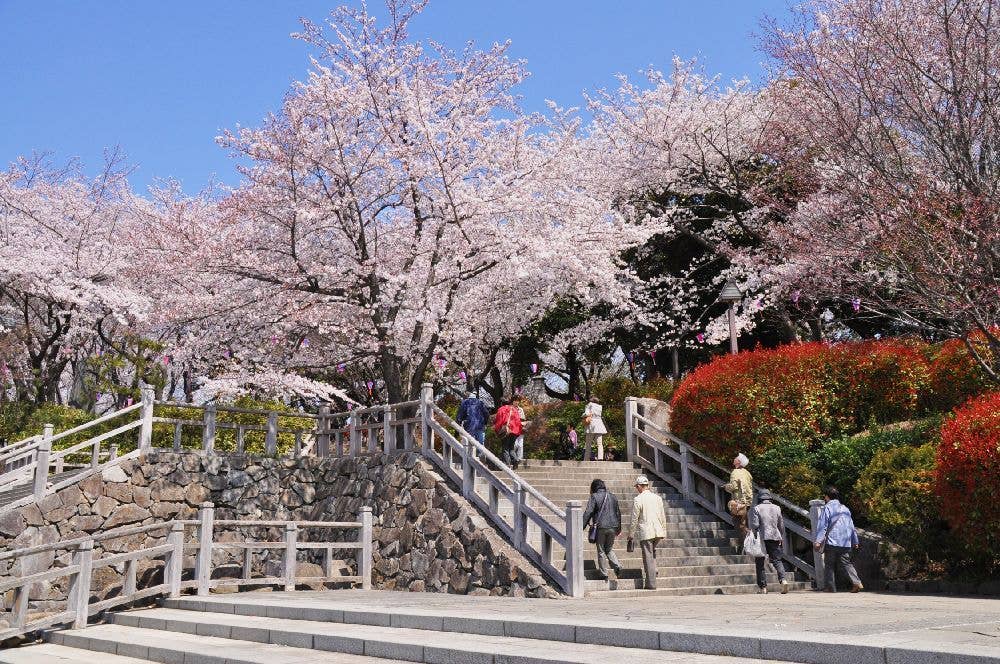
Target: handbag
[821,546]
[592,533]
[752,546]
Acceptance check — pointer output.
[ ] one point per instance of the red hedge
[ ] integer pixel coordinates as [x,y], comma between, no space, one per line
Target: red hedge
[806,392]
[955,374]
[968,473]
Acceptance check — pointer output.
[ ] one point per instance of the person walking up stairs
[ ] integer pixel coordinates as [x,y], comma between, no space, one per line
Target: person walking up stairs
[649,524]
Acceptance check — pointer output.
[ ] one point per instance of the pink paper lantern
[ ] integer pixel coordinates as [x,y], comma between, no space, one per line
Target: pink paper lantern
[796,294]
[700,337]
[856,304]
[534,368]
[462,375]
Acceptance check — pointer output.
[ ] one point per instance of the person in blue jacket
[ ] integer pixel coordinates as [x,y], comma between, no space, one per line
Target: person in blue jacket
[472,416]
[836,537]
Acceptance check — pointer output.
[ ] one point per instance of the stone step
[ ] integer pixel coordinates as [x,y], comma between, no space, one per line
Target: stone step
[635,583]
[203,636]
[740,589]
[155,645]
[632,560]
[672,543]
[633,569]
[51,653]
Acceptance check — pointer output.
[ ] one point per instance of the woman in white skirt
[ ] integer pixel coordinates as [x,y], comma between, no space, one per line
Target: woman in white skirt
[595,429]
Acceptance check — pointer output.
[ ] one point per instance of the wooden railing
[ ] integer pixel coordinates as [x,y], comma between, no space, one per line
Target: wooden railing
[460,451]
[177,537]
[701,480]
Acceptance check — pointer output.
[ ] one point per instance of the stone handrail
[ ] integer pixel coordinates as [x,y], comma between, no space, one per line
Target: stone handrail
[689,470]
[471,454]
[33,461]
[79,606]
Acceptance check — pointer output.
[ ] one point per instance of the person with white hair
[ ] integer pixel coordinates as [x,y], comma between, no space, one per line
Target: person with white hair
[649,525]
[740,487]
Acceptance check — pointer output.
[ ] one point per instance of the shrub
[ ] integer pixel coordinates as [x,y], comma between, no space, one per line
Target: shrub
[770,468]
[967,480]
[804,392]
[842,460]
[800,483]
[955,375]
[895,494]
[34,419]
[612,391]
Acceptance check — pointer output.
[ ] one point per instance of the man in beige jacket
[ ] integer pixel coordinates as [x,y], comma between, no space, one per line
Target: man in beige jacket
[649,525]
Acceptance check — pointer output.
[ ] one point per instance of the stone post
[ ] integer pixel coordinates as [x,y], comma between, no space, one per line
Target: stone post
[146,415]
[388,440]
[203,564]
[520,524]
[271,437]
[42,462]
[354,434]
[468,472]
[426,413]
[208,430]
[685,469]
[323,432]
[79,589]
[291,544]
[175,561]
[574,549]
[112,451]
[815,506]
[630,441]
[365,551]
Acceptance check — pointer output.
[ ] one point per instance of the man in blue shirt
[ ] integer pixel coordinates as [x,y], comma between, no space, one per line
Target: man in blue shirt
[472,416]
[836,537]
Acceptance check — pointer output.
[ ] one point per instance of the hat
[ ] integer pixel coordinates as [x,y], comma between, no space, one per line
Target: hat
[743,460]
[764,495]
[641,480]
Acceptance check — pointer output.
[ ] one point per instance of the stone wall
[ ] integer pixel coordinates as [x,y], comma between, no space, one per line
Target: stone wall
[428,538]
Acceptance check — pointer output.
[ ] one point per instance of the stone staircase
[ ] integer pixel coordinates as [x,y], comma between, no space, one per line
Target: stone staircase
[258,630]
[699,555]
[20,491]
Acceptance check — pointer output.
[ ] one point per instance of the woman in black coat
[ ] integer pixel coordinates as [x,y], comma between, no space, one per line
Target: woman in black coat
[603,511]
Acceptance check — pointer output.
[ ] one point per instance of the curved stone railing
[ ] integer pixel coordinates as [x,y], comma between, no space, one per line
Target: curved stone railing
[179,536]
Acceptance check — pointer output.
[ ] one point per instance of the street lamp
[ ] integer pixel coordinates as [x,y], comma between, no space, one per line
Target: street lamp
[731,294]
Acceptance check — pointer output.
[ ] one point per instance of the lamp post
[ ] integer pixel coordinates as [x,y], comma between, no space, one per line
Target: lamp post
[731,294]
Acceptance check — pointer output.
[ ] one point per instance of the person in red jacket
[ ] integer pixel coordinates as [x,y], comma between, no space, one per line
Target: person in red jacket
[507,424]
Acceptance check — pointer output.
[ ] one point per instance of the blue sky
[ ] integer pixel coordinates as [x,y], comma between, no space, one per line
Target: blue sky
[161,79]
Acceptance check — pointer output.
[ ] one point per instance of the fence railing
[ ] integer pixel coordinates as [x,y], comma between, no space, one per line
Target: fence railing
[507,503]
[512,504]
[701,480]
[35,465]
[176,537]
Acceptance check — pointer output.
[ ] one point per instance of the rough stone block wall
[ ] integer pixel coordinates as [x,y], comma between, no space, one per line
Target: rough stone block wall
[428,538]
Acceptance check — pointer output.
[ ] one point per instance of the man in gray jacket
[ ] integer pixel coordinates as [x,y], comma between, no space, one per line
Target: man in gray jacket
[767,523]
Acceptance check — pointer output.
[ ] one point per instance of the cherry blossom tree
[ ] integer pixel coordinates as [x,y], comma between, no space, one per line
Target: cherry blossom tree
[683,155]
[400,218]
[66,269]
[892,109]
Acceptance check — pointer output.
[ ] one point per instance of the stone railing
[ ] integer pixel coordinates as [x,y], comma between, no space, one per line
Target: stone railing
[464,459]
[376,430]
[205,536]
[701,480]
[41,470]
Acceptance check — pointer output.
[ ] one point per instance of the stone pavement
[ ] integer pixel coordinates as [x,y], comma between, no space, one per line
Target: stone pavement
[358,627]
[935,625]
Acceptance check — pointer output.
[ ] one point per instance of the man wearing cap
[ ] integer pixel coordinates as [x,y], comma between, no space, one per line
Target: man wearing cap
[649,525]
[766,521]
[740,486]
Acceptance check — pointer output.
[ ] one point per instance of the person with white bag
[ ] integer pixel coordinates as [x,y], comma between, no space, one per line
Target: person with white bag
[767,526]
